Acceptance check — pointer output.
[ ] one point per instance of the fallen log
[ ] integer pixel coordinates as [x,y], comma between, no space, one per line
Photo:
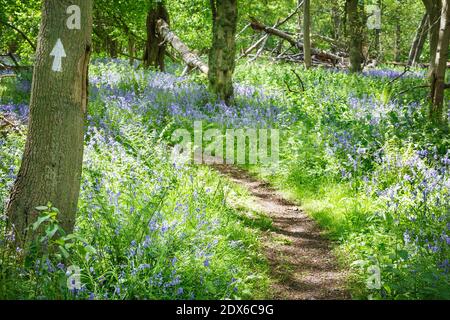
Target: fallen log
[266,36]
[190,58]
[322,55]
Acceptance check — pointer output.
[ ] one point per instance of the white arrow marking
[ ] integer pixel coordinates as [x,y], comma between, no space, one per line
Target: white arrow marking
[59,53]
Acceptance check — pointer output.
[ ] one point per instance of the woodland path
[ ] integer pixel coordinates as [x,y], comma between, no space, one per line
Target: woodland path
[301,260]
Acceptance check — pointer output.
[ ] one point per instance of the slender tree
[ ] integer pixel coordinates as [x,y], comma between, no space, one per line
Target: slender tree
[437,74]
[223,50]
[155,49]
[52,161]
[398,39]
[378,47]
[307,33]
[419,41]
[433,8]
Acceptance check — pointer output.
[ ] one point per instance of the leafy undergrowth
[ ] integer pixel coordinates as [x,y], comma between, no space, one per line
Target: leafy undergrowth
[147,228]
[363,160]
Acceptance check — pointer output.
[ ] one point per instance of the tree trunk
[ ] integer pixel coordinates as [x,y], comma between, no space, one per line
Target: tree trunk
[131,50]
[155,49]
[356,35]
[419,41]
[299,21]
[398,45]
[378,37]
[52,161]
[112,47]
[437,77]
[188,57]
[222,54]
[307,34]
[335,14]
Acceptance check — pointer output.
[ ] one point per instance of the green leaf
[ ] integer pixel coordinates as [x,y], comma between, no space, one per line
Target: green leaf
[64,252]
[40,221]
[51,231]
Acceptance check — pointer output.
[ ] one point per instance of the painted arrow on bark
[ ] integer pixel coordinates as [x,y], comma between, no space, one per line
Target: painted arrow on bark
[58,53]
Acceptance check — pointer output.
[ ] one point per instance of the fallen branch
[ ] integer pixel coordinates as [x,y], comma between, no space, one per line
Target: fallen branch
[254,46]
[279,24]
[258,26]
[416,87]
[188,57]
[407,69]
[242,31]
[266,36]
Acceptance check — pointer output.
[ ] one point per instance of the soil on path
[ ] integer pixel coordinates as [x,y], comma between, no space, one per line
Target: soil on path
[302,263]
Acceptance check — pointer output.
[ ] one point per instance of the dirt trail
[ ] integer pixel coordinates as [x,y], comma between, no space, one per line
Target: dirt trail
[302,263]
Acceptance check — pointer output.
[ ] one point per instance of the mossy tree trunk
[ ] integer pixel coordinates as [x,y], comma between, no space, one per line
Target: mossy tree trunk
[355,29]
[307,33]
[155,49]
[223,50]
[53,156]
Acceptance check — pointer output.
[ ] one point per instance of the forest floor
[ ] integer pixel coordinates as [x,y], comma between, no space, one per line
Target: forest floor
[302,263]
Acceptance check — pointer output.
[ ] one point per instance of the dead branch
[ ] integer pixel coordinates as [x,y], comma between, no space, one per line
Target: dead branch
[187,55]
[407,69]
[321,55]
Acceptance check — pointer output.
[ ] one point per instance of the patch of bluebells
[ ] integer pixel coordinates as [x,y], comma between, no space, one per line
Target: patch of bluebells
[144,228]
[410,185]
[163,96]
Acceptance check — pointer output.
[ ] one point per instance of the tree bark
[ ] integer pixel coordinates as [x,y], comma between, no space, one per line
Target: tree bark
[131,50]
[437,77]
[356,35]
[307,34]
[188,57]
[111,45]
[299,21]
[52,160]
[223,51]
[155,49]
[419,41]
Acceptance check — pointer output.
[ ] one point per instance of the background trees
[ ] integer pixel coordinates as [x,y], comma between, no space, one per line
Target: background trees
[155,48]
